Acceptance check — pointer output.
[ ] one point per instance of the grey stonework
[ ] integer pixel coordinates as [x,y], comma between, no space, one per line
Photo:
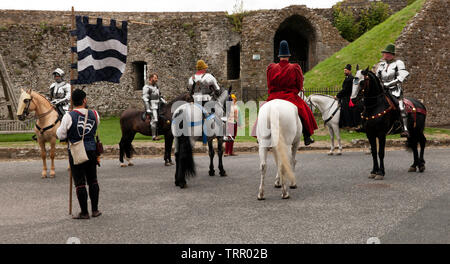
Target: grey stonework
[424,46]
[34,43]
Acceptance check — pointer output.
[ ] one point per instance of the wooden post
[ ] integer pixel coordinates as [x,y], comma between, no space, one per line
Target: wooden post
[72,77]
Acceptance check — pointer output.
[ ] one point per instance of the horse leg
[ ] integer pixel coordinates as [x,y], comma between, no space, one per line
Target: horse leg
[220,155]
[373,147]
[330,130]
[338,136]
[128,148]
[412,143]
[422,140]
[43,157]
[284,192]
[263,167]
[382,144]
[52,157]
[168,140]
[277,177]
[122,151]
[293,162]
[211,158]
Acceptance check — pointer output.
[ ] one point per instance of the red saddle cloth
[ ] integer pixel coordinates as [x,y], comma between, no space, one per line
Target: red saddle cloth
[410,108]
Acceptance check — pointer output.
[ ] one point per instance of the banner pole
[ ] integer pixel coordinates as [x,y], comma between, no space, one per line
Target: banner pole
[72,77]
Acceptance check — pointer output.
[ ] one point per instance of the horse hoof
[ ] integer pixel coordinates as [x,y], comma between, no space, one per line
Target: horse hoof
[123,165]
[421,169]
[261,198]
[43,176]
[52,175]
[212,173]
[339,153]
[379,178]
[223,174]
[372,176]
[183,186]
[412,169]
[293,186]
[167,164]
[330,153]
[284,197]
[278,186]
[171,163]
[130,164]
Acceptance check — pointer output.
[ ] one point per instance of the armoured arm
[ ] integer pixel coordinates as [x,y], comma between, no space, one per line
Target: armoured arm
[401,75]
[50,95]
[145,93]
[67,92]
[146,97]
[213,83]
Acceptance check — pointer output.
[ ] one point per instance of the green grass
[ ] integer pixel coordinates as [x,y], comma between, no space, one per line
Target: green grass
[365,51]
[110,134]
[16,138]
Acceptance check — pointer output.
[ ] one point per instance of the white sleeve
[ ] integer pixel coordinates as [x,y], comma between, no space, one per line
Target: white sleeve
[98,118]
[190,83]
[66,123]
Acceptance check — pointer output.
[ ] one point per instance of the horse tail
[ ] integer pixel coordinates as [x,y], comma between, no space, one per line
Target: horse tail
[185,157]
[281,147]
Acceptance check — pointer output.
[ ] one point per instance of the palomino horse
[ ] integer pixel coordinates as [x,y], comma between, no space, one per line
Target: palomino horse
[331,112]
[131,123]
[47,123]
[279,127]
[191,122]
[379,116]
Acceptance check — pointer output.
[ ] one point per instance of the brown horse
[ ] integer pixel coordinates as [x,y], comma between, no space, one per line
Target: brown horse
[131,122]
[47,123]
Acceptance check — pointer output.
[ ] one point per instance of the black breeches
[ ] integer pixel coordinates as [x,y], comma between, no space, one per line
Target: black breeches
[85,172]
[82,173]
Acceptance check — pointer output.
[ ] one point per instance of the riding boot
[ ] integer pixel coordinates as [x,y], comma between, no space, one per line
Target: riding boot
[307,137]
[93,195]
[82,196]
[154,131]
[403,119]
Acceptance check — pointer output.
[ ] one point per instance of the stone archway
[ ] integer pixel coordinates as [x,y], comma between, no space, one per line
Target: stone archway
[300,35]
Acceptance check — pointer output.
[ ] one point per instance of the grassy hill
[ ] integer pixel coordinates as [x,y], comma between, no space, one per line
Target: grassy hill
[365,51]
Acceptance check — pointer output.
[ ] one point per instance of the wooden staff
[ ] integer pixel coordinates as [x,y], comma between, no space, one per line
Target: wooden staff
[72,77]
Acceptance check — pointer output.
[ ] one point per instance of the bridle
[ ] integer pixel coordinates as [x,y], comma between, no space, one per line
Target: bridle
[310,103]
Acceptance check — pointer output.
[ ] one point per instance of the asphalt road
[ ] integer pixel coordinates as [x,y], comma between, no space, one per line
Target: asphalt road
[335,203]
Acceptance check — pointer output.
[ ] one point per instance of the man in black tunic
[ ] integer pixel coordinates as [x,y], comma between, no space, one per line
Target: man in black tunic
[347,119]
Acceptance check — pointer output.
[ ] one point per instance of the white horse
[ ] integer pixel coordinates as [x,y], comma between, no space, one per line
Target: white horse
[331,112]
[279,127]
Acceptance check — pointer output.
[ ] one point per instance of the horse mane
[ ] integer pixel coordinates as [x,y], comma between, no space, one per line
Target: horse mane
[325,95]
[43,97]
[372,76]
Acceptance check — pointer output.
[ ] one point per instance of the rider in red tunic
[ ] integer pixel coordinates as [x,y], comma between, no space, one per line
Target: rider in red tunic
[285,81]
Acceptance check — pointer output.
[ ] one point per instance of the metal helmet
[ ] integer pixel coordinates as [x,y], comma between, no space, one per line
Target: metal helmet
[59,72]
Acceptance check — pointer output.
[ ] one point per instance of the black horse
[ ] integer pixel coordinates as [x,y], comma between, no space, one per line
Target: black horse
[379,116]
[132,122]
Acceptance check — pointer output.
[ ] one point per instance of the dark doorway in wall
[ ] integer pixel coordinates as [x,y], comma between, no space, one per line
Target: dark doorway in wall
[139,68]
[299,34]
[234,62]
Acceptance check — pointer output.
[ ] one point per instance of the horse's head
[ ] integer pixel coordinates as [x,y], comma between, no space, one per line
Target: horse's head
[360,78]
[309,102]
[25,105]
